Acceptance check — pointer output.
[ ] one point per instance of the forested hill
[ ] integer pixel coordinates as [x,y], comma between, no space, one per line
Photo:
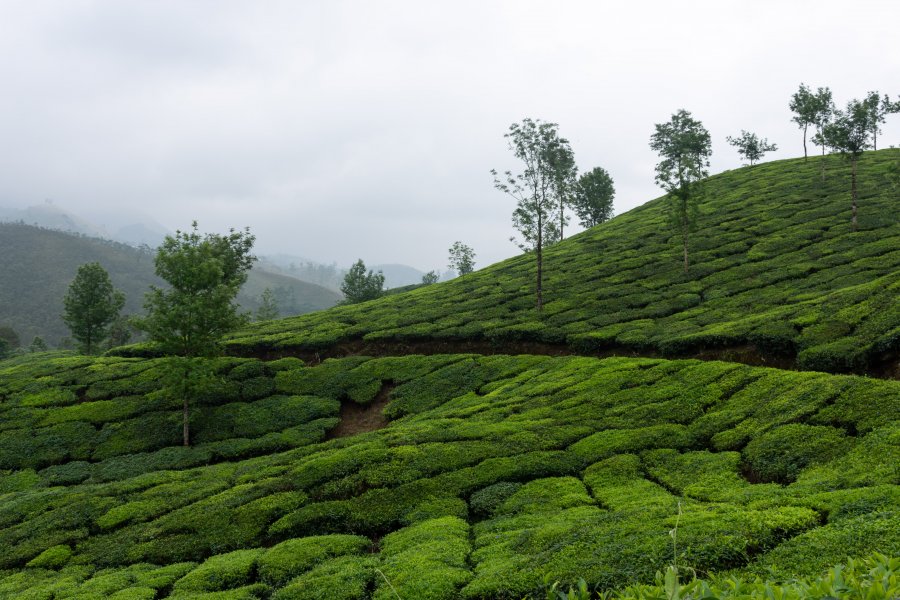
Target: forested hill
[39,264]
[776,274]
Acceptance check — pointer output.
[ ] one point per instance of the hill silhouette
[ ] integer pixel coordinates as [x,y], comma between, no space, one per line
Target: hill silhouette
[39,264]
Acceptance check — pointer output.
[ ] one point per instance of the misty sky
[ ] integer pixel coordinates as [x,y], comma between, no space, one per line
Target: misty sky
[338,130]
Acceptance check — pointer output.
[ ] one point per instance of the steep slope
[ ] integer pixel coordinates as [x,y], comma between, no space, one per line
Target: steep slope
[777,275]
[492,473]
[38,265]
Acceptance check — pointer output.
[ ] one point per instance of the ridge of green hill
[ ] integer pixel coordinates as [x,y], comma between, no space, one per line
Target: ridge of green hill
[493,473]
[39,264]
[777,276]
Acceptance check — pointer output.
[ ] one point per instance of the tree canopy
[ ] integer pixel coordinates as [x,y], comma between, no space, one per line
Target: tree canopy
[91,306]
[593,199]
[204,273]
[751,147]
[462,258]
[360,286]
[684,148]
[540,188]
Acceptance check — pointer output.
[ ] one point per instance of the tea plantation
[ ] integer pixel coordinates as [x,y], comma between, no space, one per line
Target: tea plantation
[460,446]
[777,275]
[495,475]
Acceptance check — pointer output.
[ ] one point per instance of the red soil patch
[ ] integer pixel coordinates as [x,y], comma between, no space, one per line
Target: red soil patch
[359,418]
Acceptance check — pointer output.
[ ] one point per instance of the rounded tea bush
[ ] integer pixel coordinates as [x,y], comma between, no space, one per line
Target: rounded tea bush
[781,454]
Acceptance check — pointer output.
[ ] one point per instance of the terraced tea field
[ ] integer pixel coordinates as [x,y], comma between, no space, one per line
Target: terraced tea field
[777,277]
[493,473]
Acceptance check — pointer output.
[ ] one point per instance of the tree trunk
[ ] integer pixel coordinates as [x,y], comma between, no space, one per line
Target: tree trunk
[561,220]
[185,429]
[875,137]
[684,240]
[823,162]
[853,191]
[540,264]
[804,142]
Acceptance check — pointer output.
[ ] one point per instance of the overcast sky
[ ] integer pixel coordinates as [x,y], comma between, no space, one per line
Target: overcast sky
[338,130]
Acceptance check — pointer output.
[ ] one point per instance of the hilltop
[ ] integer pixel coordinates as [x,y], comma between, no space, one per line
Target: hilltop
[39,264]
[777,277]
[466,460]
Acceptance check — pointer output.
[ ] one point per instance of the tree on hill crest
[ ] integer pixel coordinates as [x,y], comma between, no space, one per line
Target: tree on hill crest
[539,189]
[684,146]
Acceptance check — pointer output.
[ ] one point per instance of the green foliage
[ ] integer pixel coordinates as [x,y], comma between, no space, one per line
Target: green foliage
[593,198]
[51,558]
[359,286]
[782,454]
[462,258]
[430,277]
[220,572]
[268,306]
[426,560]
[497,476]
[204,274]
[542,188]
[91,306]
[684,146]
[288,559]
[750,147]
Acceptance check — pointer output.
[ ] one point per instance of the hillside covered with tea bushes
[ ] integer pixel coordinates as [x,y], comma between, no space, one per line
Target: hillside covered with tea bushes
[492,475]
[777,276]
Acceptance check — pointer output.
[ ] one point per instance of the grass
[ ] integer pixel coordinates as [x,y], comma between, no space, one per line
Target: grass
[777,277]
[494,475]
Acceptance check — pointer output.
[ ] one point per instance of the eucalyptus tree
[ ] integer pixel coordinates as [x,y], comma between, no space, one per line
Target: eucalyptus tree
[593,199]
[684,146]
[539,189]
[849,133]
[811,109]
[462,258]
[879,107]
[751,147]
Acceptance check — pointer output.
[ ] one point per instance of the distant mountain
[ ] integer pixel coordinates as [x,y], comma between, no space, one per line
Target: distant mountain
[331,276]
[38,265]
[51,216]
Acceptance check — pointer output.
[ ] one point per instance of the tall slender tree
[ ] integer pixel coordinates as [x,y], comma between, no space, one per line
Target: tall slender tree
[188,319]
[462,258]
[803,105]
[684,146]
[879,107]
[91,306]
[539,189]
[849,135]
[823,105]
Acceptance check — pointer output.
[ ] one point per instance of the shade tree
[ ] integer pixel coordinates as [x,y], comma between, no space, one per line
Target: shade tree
[593,198]
[539,189]
[751,147]
[684,148]
[360,286]
[91,305]
[849,134]
[188,319]
[462,258]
